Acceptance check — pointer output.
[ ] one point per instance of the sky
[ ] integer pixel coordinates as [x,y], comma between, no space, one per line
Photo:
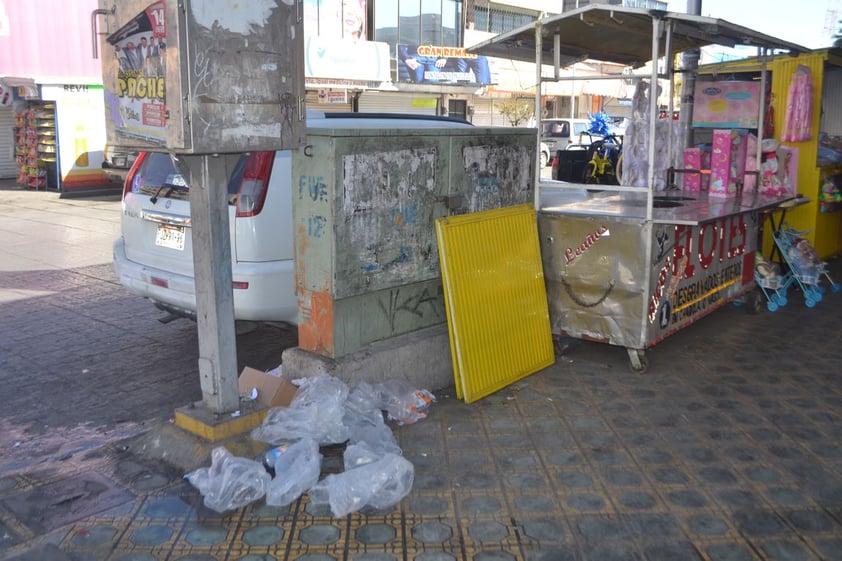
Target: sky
[810,23]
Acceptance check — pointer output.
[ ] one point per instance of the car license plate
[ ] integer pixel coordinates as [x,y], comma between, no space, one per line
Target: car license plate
[170,236]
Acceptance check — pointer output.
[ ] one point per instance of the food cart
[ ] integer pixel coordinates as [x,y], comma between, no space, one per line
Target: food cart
[630,264]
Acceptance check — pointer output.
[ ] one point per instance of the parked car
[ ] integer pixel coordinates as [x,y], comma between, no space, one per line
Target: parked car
[557,134]
[544,156]
[116,162]
[154,255]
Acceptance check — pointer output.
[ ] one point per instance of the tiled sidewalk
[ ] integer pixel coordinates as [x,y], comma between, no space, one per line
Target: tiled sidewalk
[728,449]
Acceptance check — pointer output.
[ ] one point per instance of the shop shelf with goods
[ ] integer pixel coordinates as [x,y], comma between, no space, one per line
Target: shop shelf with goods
[35,146]
[818,150]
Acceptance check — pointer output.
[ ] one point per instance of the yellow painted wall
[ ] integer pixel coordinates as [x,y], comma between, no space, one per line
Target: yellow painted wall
[825,228]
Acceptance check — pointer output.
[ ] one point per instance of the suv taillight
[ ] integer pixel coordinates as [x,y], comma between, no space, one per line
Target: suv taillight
[130,178]
[251,193]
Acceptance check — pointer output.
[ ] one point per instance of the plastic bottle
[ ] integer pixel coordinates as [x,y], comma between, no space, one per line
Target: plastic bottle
[268,458]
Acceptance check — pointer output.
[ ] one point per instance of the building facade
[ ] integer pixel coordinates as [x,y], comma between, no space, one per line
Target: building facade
[360,55]
[410,56]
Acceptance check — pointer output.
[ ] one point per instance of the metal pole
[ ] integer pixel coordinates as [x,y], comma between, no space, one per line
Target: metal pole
[207,176]
[689,65]
[538,87]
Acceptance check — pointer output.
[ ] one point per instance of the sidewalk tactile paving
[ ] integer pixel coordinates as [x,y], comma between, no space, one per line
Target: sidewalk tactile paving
[729,448]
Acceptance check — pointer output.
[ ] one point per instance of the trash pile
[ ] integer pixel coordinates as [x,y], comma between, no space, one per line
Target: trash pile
[323,412]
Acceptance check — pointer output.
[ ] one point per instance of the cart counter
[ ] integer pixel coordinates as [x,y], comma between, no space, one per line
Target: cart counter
[668,207]
[615,277]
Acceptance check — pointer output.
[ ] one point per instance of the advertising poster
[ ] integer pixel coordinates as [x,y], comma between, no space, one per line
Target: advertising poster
[139,47]
[429,64]
[81,129]
[343,19]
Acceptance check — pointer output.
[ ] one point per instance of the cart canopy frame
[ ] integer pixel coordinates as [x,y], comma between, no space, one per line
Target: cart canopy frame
[621,35]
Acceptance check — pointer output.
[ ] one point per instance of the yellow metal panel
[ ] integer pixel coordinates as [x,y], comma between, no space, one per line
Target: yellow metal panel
[495,298]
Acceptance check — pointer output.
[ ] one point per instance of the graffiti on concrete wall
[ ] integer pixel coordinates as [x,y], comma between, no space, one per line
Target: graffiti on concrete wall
[387,210]
[497,176]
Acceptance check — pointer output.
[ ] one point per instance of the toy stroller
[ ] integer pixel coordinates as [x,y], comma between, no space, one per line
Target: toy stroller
[804,264]
[772,283]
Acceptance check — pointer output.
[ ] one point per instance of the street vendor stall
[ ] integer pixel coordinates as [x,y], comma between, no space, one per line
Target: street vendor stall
[631,264]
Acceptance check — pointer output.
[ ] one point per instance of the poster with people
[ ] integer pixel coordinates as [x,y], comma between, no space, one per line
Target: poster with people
[139,47]
[429,64]
[335,19]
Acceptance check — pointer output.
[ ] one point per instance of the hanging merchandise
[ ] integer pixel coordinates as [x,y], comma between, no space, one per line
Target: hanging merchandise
[799,107]
[769,116]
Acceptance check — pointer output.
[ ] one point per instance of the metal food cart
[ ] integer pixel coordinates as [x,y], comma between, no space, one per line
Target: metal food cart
[629,265]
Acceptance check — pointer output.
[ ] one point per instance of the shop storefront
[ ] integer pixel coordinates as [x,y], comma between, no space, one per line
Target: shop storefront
[58,135]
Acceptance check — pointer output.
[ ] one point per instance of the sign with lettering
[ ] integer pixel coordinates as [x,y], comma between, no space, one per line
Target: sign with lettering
[699,268]
[139,47]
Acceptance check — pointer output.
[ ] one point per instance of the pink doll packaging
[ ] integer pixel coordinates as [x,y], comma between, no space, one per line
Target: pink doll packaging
[696,158]
[727,162]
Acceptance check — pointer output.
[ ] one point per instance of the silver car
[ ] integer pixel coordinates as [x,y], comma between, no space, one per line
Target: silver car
[154,255]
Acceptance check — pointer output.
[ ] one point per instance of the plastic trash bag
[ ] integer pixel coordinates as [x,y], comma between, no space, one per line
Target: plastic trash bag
[363,406]
[402,402]
[315,412]
[379,438]
[380,484]
[230,482]
[296,470]
[363,453]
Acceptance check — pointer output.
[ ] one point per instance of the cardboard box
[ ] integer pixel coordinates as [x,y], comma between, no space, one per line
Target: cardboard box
[272,391]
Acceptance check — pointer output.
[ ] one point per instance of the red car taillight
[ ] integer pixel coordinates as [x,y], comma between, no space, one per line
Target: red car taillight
[251,194]
[127,187]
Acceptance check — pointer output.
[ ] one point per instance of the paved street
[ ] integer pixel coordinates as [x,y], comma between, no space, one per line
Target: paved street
[728,449]
[78,354]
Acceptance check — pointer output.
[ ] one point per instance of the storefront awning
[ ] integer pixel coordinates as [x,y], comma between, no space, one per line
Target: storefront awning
[13,88]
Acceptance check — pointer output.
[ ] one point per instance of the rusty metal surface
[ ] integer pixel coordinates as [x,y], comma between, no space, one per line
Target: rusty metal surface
[230,79]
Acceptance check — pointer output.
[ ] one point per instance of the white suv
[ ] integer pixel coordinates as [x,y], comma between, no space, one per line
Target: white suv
[154,256]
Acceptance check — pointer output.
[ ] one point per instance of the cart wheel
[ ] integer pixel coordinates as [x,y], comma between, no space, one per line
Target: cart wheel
[638,363]
[753,301]
[817,296]
[810,302]
[772,307]
[836,287]
[781,300]
[589,176]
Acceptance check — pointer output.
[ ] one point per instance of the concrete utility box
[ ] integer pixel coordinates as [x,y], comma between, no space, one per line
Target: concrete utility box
[365,204]
[203,76]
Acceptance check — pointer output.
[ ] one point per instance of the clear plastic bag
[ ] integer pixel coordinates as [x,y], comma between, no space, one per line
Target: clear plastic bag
[380,484]
[230,482]
[315,412]
[378,437]
[402,402]
[296,470]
